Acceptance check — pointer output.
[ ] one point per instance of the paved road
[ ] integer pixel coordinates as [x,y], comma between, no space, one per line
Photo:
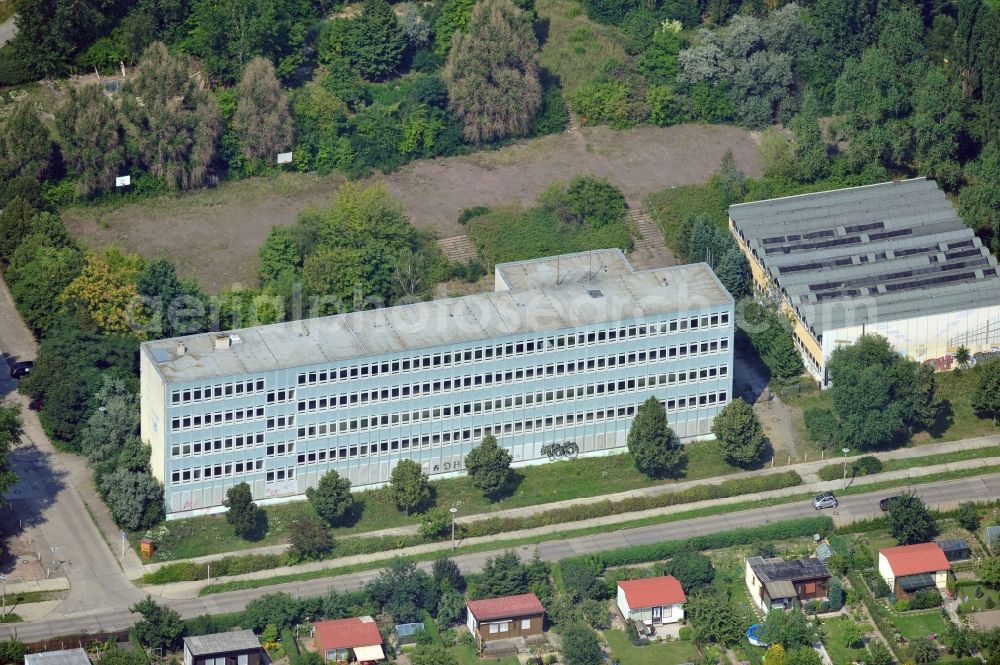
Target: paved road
[7,31]
[49,497]
[113,617]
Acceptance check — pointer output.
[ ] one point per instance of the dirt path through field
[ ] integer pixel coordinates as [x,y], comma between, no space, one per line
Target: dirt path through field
[214,235]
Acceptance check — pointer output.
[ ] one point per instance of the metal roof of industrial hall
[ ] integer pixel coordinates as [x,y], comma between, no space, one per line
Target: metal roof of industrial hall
[869,254]
[437,323]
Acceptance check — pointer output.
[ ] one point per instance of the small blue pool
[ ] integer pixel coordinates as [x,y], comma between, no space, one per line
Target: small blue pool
[754,633]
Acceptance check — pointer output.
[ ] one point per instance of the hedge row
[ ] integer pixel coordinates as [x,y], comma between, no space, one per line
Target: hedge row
[723,490]
[862,466]
[879,613]
[627,556]
[185,571]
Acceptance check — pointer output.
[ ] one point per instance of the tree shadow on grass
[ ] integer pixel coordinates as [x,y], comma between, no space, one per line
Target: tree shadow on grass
[514,481]
[945,419]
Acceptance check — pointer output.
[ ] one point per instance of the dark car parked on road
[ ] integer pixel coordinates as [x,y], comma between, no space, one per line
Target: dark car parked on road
[21,369]
[886,502]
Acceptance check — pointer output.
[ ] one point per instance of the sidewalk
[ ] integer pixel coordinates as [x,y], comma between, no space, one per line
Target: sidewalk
[181,590]
[807,470]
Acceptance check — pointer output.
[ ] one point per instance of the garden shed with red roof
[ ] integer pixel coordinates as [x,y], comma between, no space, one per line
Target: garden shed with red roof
[652,600]
[908,569]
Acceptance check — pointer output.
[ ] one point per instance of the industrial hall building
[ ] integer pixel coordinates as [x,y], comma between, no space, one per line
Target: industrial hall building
[553,362]
[892,259]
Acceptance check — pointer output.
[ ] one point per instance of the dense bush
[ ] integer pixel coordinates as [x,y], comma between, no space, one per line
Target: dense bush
[925,599]
[744,536]
[863,466]
[585,199]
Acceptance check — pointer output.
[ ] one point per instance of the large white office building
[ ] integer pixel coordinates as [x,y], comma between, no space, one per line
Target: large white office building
[555,360]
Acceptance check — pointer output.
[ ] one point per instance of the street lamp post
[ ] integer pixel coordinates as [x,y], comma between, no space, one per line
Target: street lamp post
[453,510]
[53,549]
[3,581]
[845,450]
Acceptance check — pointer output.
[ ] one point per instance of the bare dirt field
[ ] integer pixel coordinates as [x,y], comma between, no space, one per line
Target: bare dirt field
[213,235]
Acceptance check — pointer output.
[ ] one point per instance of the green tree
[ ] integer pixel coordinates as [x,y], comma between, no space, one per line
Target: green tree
[812,155]
[447,575]
[492,74]
[450,608]
[877,653]
[692,569]
[262,120]
[489,465]
[279,254]
[782,358]
[713,617]
[177,125]
[408,486]
[160,627]
[134,498]
[873,94]
[36,287]
[176,307]
[373,43]
[986,395]
[228,34]
[909,520]
[26,149]
[877,393]
[110,426]
[963,356]
[922,650]
[775,655]
[51,33]
[654,447]
[331,498]
[989,570]
[739,430]
[92,139]
[11,428]
[454,17]
[403,591]
[277,609]
[803,656]
[15,225]
[580,646]
[822,426]
[502,575]
[790,629]
[310,539]
[968,517]
[938,128]
[979,200]
[243,512]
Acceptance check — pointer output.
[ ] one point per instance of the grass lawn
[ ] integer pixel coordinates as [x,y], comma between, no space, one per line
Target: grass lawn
[6,9]
[576,47]
[666,653]
[833,639]
[534,485]
[674,206]
[467,656]
[974,604]
[919,624]
[513,234]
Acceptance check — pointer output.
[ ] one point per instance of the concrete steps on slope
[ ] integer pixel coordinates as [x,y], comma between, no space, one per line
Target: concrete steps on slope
[458,249]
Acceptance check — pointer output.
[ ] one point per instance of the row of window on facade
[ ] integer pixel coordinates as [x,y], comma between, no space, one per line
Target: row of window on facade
[230,470]
[497,627]
[511,402]
[217,391]
[476,434]
[468,435]
[501,378]
[179,423]
[499,351]
[228,443]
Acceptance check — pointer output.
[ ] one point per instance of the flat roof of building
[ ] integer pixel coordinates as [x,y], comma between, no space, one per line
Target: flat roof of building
[863,255]
[581,267]
[436,323]
[234,640]
[64,657]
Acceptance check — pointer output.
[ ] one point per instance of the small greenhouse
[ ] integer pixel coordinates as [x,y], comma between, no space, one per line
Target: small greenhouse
[956,550]
[406,633]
